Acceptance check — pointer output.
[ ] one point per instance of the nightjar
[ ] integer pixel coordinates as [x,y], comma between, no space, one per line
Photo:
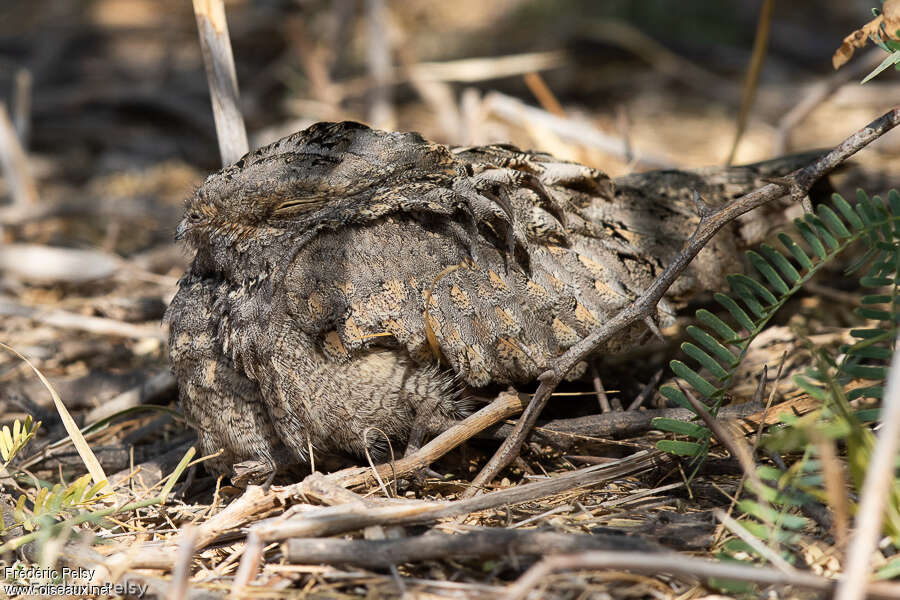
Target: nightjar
[348,283]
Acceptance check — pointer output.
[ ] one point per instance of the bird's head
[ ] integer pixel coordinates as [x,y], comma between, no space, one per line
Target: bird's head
[327,173]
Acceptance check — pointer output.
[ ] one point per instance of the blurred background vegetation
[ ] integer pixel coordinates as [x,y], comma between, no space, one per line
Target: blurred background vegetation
[120,83]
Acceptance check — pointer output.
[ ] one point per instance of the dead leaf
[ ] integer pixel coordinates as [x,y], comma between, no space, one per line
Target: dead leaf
[882,27]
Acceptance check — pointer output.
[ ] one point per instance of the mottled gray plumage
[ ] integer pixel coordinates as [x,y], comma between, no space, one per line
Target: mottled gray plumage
[347,279]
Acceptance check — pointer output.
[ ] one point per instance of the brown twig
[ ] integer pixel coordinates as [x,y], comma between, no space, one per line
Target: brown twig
[542,92]
[687,566]
[21,108]
[756,61]
[660,58]
[356,514]
[835,478]
[467,70]
[645,391]
[739,451]
[645,305]
[602,398]
[434,546]
[563,433]
[754,542]
[220,72]
[156,385]
[506,405]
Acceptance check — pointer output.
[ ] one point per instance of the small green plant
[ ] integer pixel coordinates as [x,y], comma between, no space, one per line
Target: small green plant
[13,440]
[770,515]
[58,502]
[719,347]
[891,46]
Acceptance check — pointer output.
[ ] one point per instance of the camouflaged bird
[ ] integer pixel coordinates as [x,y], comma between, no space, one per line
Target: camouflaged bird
[348,282]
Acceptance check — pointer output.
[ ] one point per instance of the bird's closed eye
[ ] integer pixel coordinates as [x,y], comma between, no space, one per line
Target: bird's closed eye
[299,205]
[194,217]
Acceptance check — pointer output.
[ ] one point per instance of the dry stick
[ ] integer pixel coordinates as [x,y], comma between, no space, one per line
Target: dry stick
[356,514]
[562,433]
[602,398]
[542,92]
[711,221]
[158,384]
[506,405]
[467,70]
[572,130]
[759,429]
[14,163]
[68,320]
[21,107]
[439,96]
[183,560]
[255,501]
[646,391]
[754,542]
[220,72]
[381,111]
[663,60]
[738,449]
[679,564]
[756,62]
[434,546]
[876,491]
[253,552]
[835,489]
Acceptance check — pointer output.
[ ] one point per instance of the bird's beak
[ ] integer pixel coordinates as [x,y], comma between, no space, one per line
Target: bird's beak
[182,230]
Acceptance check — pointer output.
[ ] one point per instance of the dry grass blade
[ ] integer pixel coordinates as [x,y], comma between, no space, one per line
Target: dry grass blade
[544,94]
[220,72]
[756,62]
[84,451]
[15,163]
[835,487]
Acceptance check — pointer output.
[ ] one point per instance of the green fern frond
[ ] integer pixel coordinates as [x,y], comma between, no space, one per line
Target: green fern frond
[719,347]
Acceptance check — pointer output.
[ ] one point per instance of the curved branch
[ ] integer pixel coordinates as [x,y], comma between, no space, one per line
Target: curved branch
[799,182]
